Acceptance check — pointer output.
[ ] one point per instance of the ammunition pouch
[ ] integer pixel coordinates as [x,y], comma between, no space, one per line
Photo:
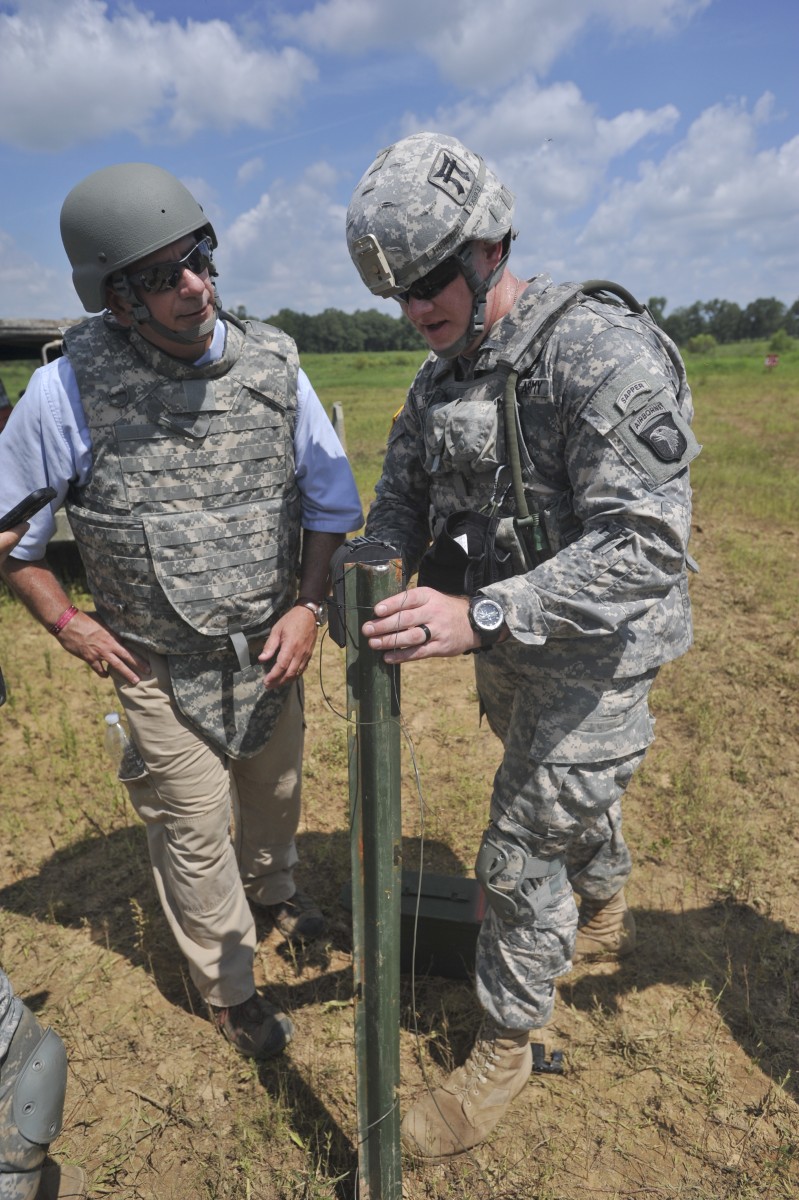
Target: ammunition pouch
[465,555]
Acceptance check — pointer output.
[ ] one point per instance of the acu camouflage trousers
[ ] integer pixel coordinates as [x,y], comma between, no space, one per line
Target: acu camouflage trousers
[220,830]
[572,744]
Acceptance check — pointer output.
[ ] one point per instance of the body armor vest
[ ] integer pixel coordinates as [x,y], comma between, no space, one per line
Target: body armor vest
[468,425]
[467,451]
[189,525]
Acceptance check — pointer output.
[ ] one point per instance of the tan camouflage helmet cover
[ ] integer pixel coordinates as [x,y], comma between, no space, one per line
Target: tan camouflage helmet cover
[418,203]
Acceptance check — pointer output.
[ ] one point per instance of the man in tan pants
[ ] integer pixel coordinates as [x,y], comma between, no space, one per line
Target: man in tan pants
[185,801]
[206,491]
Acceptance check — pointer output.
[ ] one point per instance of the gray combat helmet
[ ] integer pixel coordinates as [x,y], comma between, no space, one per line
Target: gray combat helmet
[120,214]
[423,200]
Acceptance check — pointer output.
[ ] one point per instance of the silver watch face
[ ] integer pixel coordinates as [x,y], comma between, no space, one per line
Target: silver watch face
[487,614]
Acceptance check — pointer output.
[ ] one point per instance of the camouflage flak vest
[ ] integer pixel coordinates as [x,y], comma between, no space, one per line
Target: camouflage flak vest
[189,526]
[465,437]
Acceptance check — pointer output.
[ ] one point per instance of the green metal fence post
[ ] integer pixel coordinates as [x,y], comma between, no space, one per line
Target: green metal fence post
[376,850]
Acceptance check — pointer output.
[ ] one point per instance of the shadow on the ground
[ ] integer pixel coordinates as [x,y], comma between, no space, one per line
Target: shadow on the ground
[748,960]
[103,883]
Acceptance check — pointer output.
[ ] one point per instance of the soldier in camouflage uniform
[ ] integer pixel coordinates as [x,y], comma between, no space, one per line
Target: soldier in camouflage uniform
[33,1078]
[33,1081]
[201,477]
[538,478]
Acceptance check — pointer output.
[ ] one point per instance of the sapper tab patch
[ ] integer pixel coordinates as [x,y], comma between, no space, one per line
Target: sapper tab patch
[629,393]
[656,426]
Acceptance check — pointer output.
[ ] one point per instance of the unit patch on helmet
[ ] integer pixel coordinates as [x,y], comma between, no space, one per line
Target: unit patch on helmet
[452,176]
[656,426]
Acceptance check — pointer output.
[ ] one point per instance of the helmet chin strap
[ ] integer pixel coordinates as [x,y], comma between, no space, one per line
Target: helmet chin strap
[195,333]
[480,289]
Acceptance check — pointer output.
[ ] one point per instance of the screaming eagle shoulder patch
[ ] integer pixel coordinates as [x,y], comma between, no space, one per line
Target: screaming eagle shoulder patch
[656,426]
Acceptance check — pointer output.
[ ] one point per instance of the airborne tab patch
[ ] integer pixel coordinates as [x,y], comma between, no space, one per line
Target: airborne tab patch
[656,426]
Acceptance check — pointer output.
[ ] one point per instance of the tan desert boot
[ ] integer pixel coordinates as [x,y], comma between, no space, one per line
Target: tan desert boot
[605,929]
[61,1181]
[466,1108]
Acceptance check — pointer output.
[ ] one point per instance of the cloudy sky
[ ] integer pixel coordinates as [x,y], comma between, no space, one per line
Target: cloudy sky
[655,142]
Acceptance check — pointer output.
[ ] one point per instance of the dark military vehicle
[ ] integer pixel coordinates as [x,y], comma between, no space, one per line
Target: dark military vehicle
[39,340]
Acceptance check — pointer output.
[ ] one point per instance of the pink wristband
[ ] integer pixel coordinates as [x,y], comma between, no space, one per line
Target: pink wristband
[64,619]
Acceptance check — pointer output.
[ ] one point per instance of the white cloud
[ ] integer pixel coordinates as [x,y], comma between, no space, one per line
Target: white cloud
[249,170]
[289,250]
[712,203]
[548,144]
[712,215]
[70,72]
[476,44]
[28,287]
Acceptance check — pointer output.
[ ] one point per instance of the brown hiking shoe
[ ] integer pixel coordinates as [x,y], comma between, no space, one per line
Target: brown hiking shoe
[605,929]
[60,1181]
[299,918]
[255,1027]
[465,1109]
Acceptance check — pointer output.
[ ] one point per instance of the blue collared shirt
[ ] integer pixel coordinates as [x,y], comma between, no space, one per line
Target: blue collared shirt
[46,442]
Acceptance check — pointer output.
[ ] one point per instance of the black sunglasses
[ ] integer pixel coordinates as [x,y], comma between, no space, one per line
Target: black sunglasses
[432,283]
[164,276]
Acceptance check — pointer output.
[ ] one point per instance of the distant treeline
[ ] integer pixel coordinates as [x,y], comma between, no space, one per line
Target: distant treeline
[337,332]
[725,321]
[334,331]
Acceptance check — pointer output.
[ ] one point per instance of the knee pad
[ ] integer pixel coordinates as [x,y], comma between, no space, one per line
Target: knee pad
[517,884]
[40,1090]
[33,1083]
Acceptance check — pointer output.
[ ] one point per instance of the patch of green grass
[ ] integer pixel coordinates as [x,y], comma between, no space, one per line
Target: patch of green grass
[371,388]
[15,374]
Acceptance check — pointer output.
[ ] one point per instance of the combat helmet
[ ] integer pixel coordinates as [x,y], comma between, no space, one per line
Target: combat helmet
[423,200]
[118,215]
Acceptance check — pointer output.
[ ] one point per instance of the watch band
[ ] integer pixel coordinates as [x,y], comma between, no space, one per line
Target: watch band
[488,636]
[314,606]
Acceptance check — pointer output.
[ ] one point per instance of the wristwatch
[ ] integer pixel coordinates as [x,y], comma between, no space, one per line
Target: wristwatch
[486,618]
[315,606]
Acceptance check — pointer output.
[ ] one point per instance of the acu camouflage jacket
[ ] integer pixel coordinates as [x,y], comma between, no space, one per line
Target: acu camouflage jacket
[603,412]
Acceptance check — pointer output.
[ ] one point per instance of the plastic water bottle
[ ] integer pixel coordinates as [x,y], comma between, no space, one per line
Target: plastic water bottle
[115,740]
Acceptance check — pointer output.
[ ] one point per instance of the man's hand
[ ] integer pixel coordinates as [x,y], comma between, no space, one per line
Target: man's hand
[9,539]
[83,635]
[401,621]
[290,644]
[86,638]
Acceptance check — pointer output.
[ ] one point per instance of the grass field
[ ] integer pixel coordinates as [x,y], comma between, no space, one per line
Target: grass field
[681,1063]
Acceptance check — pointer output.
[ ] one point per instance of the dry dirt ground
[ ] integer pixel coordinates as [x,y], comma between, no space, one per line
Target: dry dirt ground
[681,1064]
